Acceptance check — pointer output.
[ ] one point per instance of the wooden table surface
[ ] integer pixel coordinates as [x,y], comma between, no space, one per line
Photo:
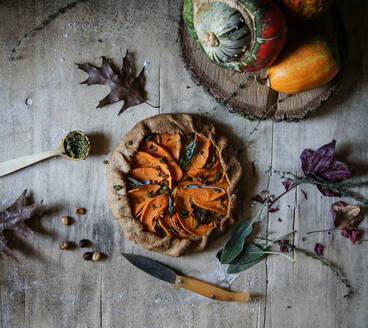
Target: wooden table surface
[54,288]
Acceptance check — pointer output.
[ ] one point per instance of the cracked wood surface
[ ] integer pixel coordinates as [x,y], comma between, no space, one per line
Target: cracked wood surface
[54,288]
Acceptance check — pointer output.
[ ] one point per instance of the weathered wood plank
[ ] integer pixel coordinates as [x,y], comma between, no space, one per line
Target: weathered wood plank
[51,288]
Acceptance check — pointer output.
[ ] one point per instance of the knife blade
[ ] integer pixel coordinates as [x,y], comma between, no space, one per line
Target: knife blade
[164,273]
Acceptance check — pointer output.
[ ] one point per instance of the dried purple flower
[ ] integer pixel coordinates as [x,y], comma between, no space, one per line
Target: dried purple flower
[321,163]
[284,246]
[259,199]
[287,184]
[304,194]
[353,235]
[279,219]
[318,249]
[304,238]
[274,209]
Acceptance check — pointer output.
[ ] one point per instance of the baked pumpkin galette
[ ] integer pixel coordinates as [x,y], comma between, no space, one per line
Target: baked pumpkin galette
[172,182]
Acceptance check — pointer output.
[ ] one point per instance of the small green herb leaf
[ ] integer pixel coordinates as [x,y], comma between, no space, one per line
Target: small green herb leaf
[138,183]
[252,254]
[194,186]
[172,208]
[239,267]
[235,244]
[187,154]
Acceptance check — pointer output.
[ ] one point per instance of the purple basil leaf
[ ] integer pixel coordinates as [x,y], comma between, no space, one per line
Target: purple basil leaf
[328,192]
[313,161]
[318,249]
[337,171]
[322,163]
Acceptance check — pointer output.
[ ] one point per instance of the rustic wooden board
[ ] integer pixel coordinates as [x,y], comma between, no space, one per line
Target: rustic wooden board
[253,99]
[50,288]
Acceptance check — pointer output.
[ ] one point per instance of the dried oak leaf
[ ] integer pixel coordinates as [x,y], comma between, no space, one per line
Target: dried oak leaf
[13,219]
[321,163]
[344,216]
[123,84]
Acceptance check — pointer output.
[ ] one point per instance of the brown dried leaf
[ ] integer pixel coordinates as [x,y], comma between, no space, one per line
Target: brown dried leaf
[13,219]
[123,84]
[345,216]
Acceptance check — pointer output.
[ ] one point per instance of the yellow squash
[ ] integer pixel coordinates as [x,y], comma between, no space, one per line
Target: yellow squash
[306,66]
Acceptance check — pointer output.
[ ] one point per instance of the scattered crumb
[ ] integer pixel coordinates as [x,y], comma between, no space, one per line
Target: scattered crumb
[304,238]
[28,101]
[279,219]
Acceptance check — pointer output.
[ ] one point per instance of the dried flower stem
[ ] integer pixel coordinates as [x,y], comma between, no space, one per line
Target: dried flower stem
[342,188]
[40,26]
[324,230]
[339,274]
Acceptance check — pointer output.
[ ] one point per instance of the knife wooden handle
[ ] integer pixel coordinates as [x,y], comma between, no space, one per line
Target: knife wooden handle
[210,291]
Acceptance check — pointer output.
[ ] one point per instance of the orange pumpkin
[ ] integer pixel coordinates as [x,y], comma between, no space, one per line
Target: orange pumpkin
[304,67]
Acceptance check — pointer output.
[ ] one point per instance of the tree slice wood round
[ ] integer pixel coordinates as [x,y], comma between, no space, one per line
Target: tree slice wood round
[242,93]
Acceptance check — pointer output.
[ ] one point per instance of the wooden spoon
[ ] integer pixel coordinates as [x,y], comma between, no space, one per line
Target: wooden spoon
[21,162]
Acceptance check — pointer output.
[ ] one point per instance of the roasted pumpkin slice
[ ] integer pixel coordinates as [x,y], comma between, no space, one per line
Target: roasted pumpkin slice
[172,143]
[155,150]
[143,160]
[201,153]
[182,202]
[202,192]
[217,205]
[153,210]
[190,224]
[165,223]
[140,196]
[148,173]
[176,225]
[208,176]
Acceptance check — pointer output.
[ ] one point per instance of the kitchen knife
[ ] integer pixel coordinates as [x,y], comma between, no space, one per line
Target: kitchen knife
[163,272]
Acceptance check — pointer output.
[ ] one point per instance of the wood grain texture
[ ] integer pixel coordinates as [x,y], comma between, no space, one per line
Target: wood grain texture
[253,99]
[54,288]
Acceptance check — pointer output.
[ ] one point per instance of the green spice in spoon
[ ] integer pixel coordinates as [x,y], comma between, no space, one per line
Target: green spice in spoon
[75,146]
